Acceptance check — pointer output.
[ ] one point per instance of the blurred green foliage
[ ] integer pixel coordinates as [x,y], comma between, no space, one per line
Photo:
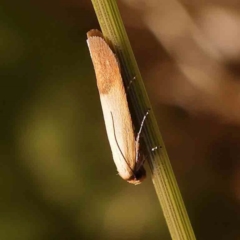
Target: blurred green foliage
[58,180]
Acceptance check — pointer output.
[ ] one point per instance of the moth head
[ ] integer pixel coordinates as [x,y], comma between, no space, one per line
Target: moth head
[138,176]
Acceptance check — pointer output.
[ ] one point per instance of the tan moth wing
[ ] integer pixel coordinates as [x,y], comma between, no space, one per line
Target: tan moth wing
[115,107]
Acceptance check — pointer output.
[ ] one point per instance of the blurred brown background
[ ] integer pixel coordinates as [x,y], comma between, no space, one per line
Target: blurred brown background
[58,180]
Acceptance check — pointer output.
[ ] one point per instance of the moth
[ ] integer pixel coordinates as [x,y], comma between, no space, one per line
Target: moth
[120,130]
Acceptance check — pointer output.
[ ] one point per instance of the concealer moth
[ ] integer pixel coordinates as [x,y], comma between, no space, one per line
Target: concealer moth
[120,131]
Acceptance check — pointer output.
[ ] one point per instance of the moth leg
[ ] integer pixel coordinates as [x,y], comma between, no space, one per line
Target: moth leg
[139,134]
[141,126]
[130,83]
[156,148]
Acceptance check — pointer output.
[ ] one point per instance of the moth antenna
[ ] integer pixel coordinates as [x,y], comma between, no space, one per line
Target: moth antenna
[119,146]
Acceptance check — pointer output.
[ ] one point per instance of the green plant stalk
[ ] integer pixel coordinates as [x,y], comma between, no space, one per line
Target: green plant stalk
[162,174]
